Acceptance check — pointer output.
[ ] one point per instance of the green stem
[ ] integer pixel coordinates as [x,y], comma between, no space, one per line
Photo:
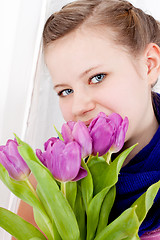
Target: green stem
[31,187]
[43,214]
[63,188]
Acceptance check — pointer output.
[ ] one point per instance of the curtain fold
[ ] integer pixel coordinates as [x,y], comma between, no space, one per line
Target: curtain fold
[23,23]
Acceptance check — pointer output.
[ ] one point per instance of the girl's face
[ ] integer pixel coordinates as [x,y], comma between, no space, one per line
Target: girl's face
[92,74]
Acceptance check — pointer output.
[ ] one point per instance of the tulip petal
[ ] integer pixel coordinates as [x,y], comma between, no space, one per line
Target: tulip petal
[119,140]
[67,131]
[51,157]
[108,132]
[52,140]
[64,160]
[125,124]
[116,119]
[9,164]
[71,124]
[41,157]
[2,148]
[12,161]
[120,136]
[81,174]
[82,136]
[101,115]
[12,153]
[102,141]
[11,148]
[102,135]
[72,157]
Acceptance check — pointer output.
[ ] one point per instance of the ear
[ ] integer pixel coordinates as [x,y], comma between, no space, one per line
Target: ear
[152,56]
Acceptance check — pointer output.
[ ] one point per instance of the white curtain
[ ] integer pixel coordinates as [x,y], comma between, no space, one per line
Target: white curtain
[28,105]
[23,22]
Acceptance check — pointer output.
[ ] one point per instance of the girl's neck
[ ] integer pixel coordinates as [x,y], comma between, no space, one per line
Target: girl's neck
[141,139]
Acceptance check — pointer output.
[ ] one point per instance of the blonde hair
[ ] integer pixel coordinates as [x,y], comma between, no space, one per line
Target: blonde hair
[132,28]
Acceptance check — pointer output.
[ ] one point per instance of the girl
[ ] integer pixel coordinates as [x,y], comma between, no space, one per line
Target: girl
[104,56]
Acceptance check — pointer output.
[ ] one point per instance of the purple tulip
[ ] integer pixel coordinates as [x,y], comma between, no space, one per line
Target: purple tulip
[12,161]
[101,131]
[107,132]
[64,161]
[120,134]
[40,154]
[78,131]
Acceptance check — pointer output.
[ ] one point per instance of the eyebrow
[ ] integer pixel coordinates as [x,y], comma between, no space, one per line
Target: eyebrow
[88,71]
[81,76]
[59,85]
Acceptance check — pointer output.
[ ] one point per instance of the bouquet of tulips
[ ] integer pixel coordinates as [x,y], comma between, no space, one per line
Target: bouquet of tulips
[76,184]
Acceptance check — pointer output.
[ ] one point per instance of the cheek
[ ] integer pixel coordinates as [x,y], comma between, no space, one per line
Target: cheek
[121,99]
[66,110]
[111,99]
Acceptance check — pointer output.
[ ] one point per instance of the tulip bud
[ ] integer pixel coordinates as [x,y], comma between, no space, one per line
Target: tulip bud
[102,133]
[119,135]
[51,141]
[64,161]
[77,131]
[40,154]
[12,161]
[108,133]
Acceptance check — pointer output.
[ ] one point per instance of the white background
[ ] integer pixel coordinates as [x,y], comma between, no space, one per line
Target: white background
[28,105]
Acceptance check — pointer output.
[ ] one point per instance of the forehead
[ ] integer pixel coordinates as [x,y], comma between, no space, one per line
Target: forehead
[84,37]
[82,49]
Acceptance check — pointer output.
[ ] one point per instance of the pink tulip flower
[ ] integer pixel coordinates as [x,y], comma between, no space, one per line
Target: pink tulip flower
[107,132]
[78,131]
[63,160]
[12,161]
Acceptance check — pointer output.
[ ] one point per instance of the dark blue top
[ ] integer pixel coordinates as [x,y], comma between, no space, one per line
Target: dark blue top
[141,172]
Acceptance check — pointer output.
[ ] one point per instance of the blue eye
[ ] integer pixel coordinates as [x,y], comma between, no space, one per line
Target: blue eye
[65,92]
[98,78]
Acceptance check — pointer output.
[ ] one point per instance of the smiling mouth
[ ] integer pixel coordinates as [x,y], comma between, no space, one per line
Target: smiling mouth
[88,122]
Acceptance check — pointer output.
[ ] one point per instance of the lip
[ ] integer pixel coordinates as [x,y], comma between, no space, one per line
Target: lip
[88,122]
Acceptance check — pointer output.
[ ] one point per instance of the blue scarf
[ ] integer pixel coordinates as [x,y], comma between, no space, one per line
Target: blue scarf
[134,179]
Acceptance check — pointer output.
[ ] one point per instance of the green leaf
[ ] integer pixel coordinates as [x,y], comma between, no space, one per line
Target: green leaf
[50,231]
[28,153]
[59,208]
[86,186]
[59,134]
[106,208]
[71,192]
[94,212]
[80,214]
[40,221]
[145,201]
[19,188]
[35,238]
[104,174]
[18,227]
[124,227]
[136,237]
[22,190]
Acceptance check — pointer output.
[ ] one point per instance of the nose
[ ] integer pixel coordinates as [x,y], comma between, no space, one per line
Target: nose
[82,103]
